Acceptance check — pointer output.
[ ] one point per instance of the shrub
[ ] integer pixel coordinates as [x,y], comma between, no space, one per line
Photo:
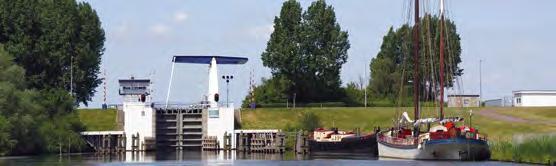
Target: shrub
[309,121]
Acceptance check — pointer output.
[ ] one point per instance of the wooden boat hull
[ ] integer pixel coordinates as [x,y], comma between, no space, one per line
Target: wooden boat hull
[361,144]
[444,149]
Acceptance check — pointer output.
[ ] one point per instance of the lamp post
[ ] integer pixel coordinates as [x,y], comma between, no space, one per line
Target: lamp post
[227,78]
[480,82]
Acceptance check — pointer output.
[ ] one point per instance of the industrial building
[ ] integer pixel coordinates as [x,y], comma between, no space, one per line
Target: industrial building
[506,101]
[463,101]
[138,114]
[534,98]
[207,125]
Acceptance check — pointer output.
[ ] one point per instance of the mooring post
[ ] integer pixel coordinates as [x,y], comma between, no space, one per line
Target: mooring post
[302,143]
[241,143]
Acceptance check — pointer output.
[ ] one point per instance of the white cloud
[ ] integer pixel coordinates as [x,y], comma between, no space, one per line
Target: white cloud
[180,16]
[160,29]
[120,32]
[262,32]
[122,28]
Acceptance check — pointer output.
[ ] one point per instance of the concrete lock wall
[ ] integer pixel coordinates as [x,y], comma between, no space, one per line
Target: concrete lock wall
[220,121]
[138,119]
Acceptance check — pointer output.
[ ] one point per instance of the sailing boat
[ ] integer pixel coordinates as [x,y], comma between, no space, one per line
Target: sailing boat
[444,140]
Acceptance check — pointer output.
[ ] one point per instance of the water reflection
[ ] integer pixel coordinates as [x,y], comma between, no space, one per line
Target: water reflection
[222,158]
[214,155]
[221,155]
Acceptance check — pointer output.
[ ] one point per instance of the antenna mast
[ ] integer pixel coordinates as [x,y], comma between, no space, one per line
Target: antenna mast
[104,106]
[441,59]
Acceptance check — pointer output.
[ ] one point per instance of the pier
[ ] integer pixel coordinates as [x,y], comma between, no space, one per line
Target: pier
[261,141]
[105,142]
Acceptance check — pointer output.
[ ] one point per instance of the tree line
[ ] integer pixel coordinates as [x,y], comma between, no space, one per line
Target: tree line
[43,44]
[305,54]
[392,68]
[307,49]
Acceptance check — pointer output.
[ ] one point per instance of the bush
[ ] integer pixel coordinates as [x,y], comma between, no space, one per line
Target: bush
[309,121]
[539,149]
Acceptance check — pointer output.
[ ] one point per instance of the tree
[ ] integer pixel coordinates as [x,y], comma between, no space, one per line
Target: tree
[26,112]
[355,94]
[390,64]
[270,91]
[19,112]
[53,40]
[6,141]
[393,66]
[324,52]
[283,51]
[306,52]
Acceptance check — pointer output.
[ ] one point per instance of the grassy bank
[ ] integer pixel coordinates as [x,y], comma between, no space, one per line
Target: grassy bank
[367,118]
[510,141]
[536,149]
[501,133]
[98,119]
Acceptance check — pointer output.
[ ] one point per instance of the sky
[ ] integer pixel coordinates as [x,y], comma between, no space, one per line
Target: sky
[513,38]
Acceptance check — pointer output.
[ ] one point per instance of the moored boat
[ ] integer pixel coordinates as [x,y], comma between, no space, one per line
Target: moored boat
[442,141]
[336,141]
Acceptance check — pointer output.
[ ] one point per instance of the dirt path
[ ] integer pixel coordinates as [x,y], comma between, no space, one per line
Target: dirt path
[495,115]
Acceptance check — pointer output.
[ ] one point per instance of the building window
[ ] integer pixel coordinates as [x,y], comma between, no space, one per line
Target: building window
[213,113]
[518,100]
[142,113]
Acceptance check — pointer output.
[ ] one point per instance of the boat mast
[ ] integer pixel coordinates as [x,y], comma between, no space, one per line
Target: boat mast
[416,64]
[441,59]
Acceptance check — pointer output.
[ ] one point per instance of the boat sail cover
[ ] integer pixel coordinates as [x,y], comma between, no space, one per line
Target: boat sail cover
[405,119]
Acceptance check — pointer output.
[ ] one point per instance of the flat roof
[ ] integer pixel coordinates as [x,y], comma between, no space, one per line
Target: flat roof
[463,95]
[493,100]
[534,92]
[199,59]
[119,132]
[258,131]
[134,81]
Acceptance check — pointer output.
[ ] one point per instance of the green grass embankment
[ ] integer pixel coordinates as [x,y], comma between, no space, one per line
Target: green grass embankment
[540,149]
[348,118]
[98,119]
[505,136]
[500,132]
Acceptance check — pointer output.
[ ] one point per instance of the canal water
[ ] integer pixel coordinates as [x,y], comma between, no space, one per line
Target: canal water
[222,158]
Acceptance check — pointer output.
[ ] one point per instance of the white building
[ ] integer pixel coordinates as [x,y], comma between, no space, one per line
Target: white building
[534,98]
[463,101]
[138,113]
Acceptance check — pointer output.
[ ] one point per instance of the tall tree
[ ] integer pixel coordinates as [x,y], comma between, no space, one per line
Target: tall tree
[392,68]
[33,121]
[48,38]
[283,51]
[306,52]
[324,52]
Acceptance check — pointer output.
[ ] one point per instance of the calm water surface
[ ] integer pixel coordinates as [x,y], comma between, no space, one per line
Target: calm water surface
[222,158]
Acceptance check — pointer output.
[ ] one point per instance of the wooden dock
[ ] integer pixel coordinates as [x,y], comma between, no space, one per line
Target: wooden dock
[261,141]
[105,142]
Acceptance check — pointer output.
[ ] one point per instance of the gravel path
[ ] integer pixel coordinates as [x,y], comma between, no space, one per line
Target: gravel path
[495,115]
